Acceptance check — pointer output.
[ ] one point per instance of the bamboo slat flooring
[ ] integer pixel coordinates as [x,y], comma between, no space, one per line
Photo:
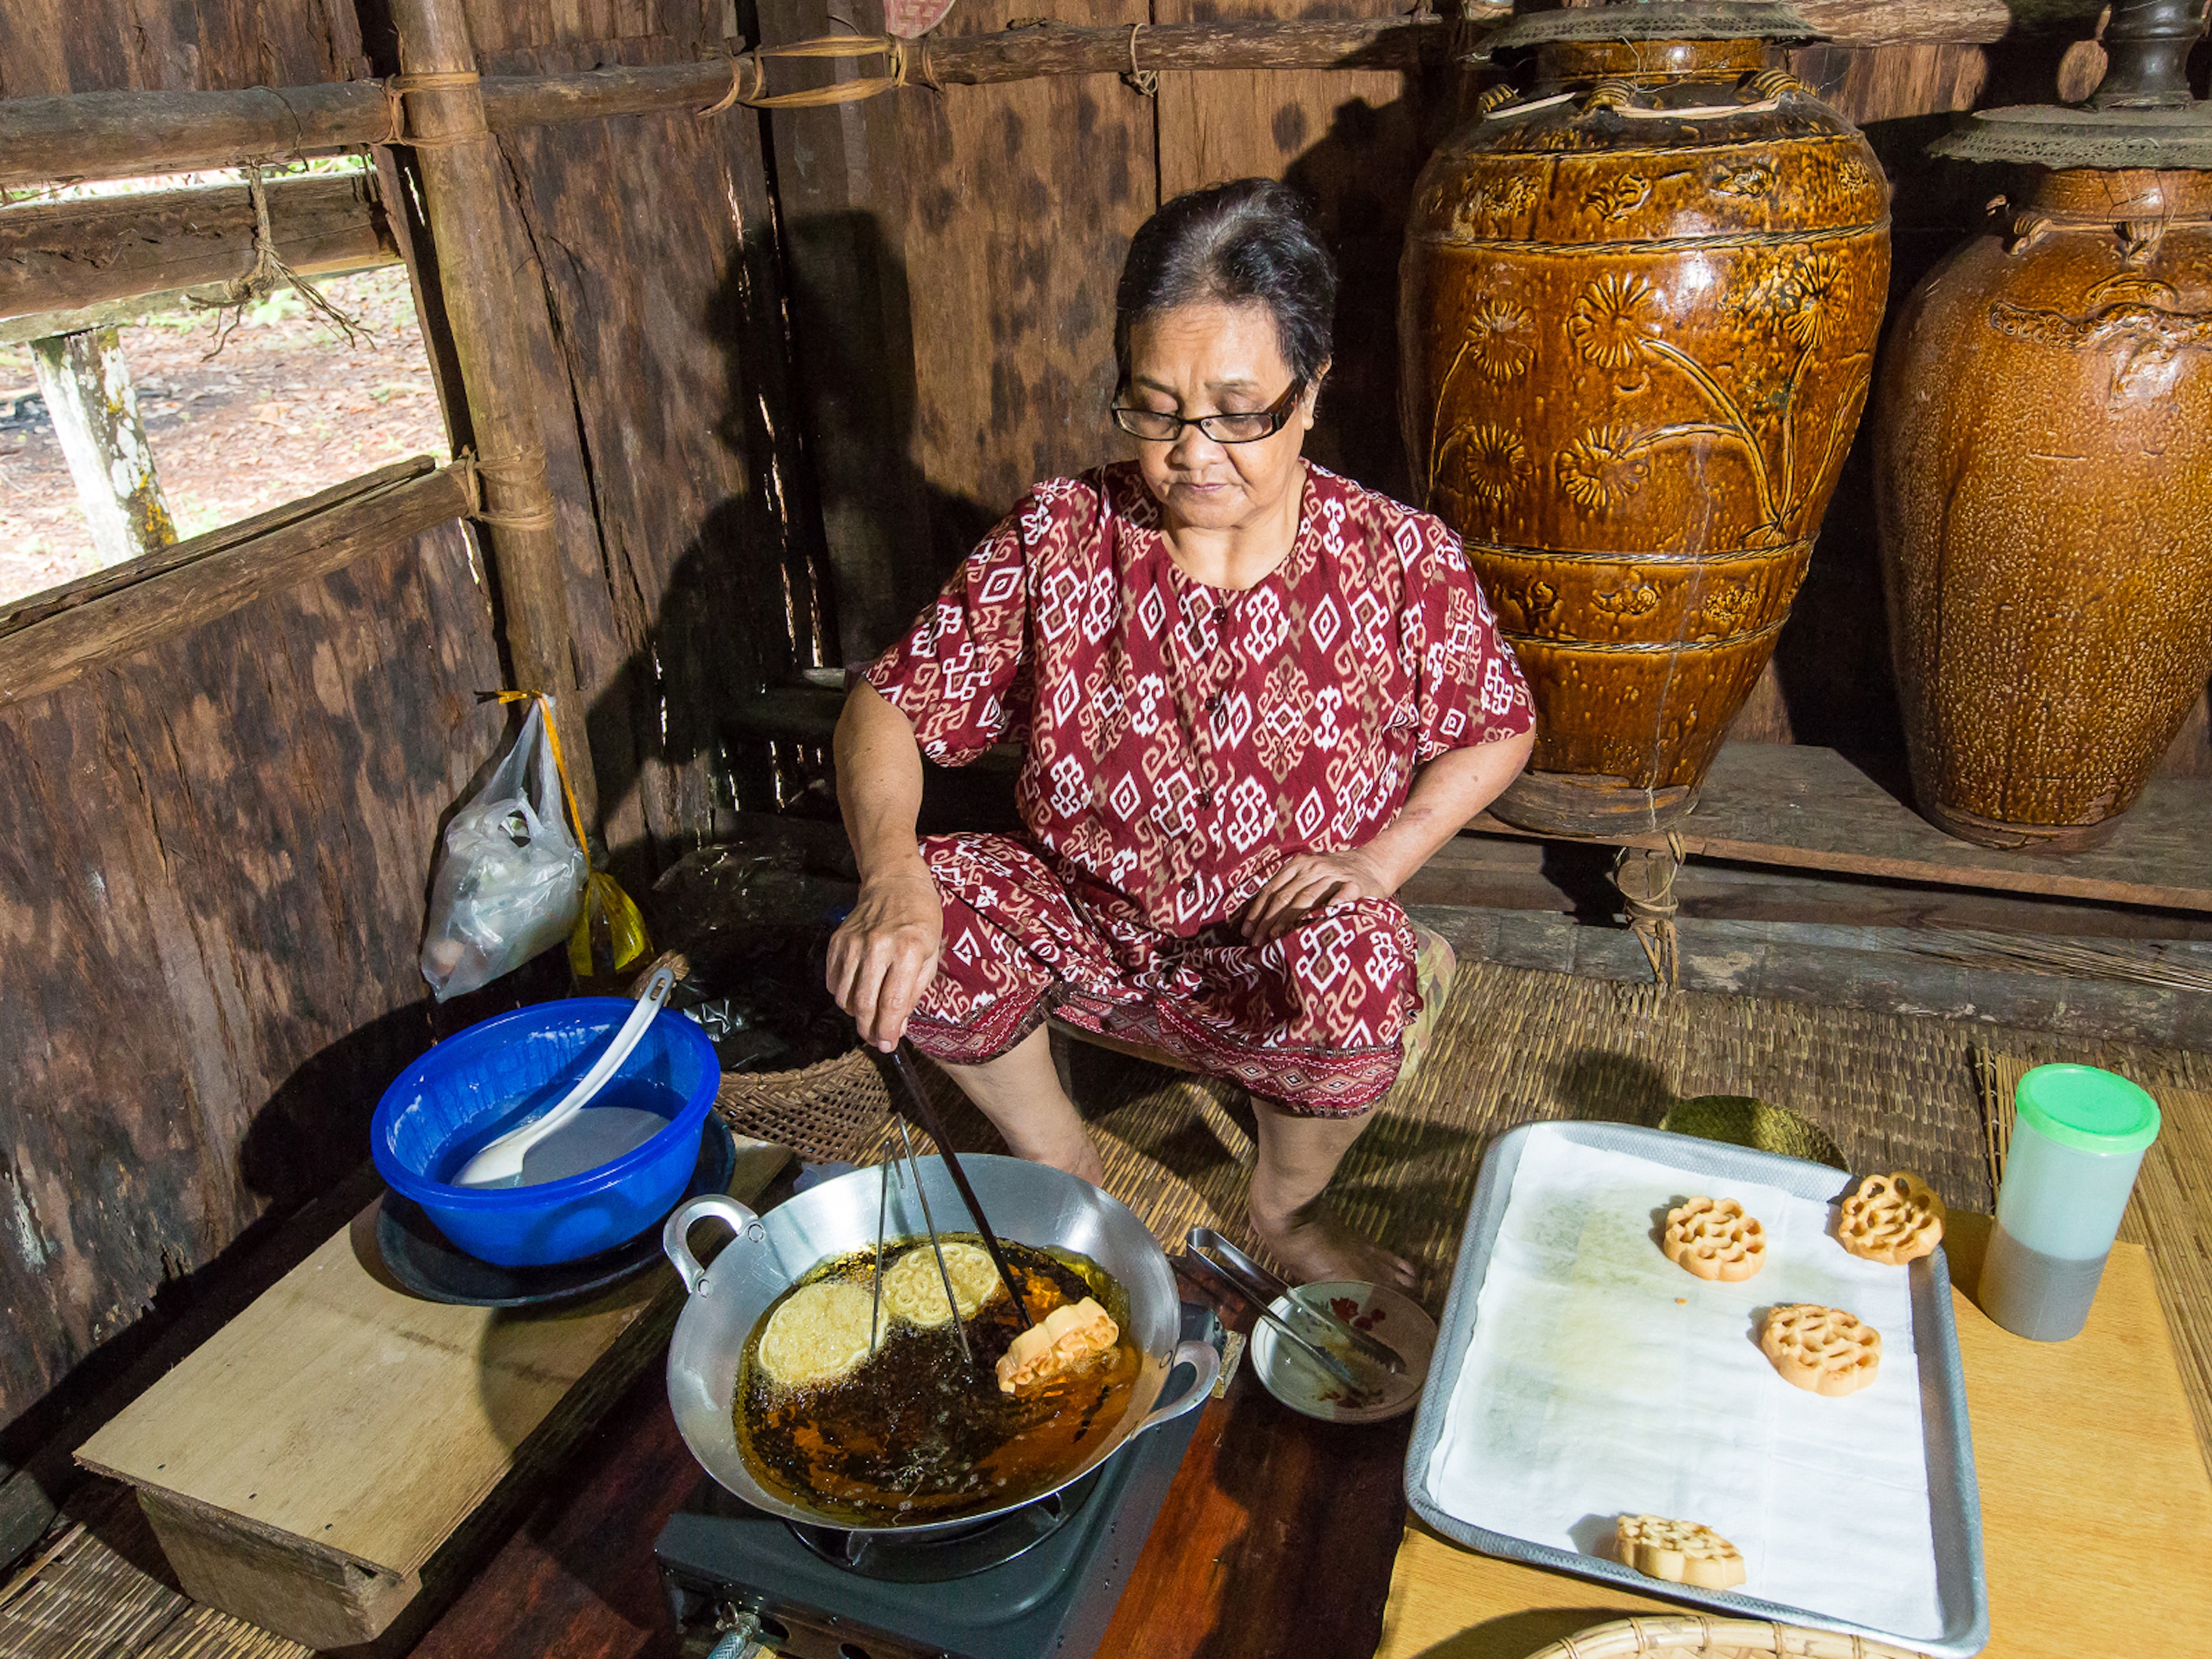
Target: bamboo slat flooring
[98,1588]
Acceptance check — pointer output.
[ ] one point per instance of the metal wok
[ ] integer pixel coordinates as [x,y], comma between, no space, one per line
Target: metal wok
[1028,1203]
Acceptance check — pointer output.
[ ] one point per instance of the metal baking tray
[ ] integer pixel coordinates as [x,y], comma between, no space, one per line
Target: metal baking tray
[1962,1590]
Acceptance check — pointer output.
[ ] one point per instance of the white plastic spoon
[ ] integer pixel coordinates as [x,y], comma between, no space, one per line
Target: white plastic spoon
[501,1160]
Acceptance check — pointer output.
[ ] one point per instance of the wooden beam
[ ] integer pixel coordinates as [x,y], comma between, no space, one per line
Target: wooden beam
[103,618]
[86,382]
[117,134]
[464,195]
[63,255]
[121,313]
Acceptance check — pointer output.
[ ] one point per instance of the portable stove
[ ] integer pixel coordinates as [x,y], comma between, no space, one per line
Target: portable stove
[1042,1581]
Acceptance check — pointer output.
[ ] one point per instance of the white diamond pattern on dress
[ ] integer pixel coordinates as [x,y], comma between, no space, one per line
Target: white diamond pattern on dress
[1327,622]
[1152,613]
[1125,797]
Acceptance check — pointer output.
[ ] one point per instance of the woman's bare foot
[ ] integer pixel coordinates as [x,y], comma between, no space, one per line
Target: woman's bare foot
[1078,1155]
[1313,1246]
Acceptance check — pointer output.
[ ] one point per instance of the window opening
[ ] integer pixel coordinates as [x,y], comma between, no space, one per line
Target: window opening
[170,442]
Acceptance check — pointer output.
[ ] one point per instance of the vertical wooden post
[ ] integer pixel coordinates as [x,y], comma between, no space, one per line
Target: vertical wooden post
[463,196]
[87,386]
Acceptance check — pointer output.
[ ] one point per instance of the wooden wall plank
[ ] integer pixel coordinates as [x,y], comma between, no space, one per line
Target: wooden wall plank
[952,260]
[49,47]
[212,863]
[1352,143]
[660,355]
[1021,202]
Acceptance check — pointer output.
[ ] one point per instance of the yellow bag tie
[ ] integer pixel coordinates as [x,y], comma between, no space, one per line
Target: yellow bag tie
[604,899]
[625,927]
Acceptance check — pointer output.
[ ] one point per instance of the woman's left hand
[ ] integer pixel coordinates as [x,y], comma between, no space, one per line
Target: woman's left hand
[1307,883]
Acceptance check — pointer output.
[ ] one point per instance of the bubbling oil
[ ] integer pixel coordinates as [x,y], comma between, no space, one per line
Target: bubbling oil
[917,1434]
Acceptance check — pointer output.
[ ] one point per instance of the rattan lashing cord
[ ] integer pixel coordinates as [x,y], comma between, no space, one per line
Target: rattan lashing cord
[904,59]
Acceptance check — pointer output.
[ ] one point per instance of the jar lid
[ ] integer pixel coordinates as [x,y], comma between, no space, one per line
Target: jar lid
[1658,19]
[2081,1107]
[2060,136]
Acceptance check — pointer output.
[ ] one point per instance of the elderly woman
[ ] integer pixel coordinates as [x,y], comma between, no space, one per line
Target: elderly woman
[1253,699]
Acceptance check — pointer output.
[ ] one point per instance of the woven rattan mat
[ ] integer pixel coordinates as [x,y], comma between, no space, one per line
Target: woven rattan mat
[1893,1091]
[2171,1212]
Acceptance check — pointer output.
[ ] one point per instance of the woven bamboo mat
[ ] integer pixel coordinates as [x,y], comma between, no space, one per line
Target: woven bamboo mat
[1893,1091]
[2171,1212]
[97,1588]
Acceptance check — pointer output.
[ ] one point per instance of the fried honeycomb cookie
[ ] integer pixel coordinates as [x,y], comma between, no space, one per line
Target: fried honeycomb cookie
[817,1334]
[1679,1552]
[913,1290]
[1822,1350]
[1893,1218]
[1713,1238]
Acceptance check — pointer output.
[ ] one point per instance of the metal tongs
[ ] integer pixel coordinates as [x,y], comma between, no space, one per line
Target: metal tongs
[1306,1326]
[928,1115]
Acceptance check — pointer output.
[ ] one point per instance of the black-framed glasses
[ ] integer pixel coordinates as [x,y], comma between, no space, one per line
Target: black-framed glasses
[1154,427]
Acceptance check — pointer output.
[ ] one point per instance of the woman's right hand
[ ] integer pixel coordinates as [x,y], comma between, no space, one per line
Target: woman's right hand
[884,956]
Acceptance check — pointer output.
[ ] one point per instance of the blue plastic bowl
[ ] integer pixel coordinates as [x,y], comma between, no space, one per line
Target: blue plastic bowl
[445,1106]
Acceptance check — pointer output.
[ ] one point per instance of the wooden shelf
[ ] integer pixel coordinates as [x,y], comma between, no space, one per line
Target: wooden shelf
[1803,808]
[1790,805]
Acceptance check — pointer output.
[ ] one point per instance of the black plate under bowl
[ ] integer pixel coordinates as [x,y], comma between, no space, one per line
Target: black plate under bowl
[427,1262]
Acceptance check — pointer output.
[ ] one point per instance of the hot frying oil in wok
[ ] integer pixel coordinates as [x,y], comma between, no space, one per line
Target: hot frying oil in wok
[915,1433]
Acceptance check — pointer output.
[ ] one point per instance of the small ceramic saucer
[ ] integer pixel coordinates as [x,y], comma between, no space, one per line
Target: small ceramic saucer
[1383,1314]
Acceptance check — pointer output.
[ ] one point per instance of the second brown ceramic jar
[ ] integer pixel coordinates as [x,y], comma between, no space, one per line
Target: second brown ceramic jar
[2044,483]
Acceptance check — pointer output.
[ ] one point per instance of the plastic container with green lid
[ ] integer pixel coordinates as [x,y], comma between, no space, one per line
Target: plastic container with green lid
[2079,1135]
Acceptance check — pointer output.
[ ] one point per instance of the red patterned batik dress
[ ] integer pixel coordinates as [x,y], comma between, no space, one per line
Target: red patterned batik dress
[1181,742]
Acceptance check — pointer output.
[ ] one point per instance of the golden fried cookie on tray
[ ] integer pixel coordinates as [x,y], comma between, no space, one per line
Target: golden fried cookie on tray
[1713,1238]
[1825,1351]
[1894,1218]
[1679,1552]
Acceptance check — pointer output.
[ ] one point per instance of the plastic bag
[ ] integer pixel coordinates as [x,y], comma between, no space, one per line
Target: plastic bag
[511,884]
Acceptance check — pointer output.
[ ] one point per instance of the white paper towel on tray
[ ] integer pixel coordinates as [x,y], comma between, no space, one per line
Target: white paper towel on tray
[1602,1378]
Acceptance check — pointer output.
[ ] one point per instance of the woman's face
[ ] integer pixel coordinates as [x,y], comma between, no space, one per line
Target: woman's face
[1212,358]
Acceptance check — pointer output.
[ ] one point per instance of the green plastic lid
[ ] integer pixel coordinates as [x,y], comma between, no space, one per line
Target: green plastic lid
[2082,1106]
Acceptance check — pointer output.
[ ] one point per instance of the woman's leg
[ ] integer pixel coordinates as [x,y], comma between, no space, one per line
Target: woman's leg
[1298,1156]
[1020,1091]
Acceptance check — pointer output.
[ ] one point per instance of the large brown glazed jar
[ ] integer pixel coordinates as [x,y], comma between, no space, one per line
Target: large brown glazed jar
[2044,488]
[1639,306]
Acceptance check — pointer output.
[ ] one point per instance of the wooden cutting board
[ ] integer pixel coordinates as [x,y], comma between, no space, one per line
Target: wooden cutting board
[306,1467]
[2096,1510]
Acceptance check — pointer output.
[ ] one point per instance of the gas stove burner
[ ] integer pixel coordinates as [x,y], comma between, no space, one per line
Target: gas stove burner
[1042,1581]
[961,1554]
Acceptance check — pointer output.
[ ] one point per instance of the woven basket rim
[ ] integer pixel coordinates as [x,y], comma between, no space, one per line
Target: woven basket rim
[1689,1634]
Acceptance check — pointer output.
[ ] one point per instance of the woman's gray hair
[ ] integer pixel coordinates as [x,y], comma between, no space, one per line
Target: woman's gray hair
[1245,241]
